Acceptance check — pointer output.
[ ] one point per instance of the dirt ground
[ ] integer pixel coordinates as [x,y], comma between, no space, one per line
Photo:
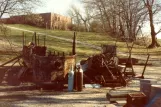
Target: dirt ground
[37,98]
[89,97]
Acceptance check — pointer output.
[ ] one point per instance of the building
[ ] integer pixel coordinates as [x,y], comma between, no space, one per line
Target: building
[45,20]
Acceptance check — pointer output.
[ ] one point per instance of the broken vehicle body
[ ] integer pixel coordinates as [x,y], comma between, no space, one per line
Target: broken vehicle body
[37,66]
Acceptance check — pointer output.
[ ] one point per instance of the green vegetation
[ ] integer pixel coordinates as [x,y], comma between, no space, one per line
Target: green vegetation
[15,36]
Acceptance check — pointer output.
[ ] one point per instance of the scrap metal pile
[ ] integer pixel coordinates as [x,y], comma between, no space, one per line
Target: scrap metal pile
[37,66]
[43,67]
[104,69]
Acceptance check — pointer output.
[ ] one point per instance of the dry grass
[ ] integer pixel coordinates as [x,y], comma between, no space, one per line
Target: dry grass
[53,44]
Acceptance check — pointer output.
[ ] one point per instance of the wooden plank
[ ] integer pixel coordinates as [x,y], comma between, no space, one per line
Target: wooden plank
[118,94]
[16,58]
[120,103]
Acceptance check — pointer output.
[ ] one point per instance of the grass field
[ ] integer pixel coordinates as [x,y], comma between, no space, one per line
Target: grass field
[15,36]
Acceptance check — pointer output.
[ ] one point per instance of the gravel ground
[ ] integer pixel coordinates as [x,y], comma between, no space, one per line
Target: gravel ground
[89,97]
[36,98]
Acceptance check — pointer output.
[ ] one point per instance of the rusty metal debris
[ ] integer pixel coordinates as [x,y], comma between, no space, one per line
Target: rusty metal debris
[37,66]
[104,69]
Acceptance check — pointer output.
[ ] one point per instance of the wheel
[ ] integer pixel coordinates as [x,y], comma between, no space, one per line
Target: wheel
[12,77]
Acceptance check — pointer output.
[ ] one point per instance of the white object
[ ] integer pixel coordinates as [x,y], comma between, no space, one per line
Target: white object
[71,79]
[92,86]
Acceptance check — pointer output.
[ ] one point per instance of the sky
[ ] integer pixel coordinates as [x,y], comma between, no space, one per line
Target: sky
[57,6]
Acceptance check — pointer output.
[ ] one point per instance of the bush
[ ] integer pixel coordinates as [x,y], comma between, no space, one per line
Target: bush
[95,26]
[74,27]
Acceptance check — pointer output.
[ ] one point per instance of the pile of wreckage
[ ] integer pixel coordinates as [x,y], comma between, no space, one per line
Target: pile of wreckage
[104,69]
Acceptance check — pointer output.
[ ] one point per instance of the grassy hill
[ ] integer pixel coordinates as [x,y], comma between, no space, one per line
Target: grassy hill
[53,44]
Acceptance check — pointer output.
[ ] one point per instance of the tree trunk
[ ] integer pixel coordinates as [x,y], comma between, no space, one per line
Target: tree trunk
[114,25]
[154,42]
[85,25]
[102,19]
[106,16]
[121,30]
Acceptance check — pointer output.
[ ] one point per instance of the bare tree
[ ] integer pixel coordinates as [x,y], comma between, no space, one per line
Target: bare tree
[17,6]
[14,7]
[153,7]
[131,17]
[73,12]
[86,17]
[81,17]
[119,17]
[101,12]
